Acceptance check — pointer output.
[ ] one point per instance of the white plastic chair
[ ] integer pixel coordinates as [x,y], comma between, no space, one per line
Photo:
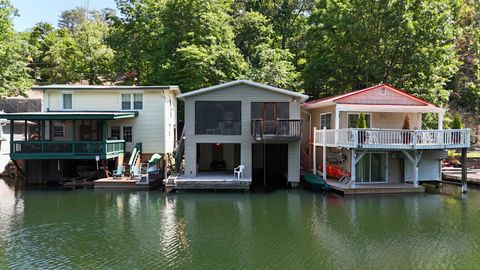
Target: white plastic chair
[238,171]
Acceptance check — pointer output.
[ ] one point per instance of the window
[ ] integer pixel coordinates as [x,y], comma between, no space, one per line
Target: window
[326,120]
[115,133]
[126,101]
[58,131]
[138,101]
[218,117]
[353,120]
[127,134]
[132,101]
[67,101]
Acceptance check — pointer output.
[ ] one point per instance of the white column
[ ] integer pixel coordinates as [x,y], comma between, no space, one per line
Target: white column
[353,169]
[324,169]
[440,120]
[415,169]
[337,124]
[314,149]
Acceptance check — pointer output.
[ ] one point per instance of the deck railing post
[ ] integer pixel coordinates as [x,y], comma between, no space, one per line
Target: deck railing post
[355,137]
[414,143]
[324,161]
[314,151]
[353,171]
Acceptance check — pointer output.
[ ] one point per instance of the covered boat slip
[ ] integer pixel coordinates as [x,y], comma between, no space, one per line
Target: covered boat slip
[67,135]
[62,146]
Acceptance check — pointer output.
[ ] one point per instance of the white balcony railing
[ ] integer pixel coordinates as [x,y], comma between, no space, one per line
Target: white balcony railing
[373,138]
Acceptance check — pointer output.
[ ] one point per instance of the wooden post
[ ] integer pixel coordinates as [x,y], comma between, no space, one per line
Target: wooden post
[74,135]
[324,161]
[464,170]
[314,151]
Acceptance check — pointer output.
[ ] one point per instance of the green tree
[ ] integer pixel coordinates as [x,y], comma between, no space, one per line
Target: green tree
[251,30]
[14,55]
[457,122]
[197,45]
[362,121]
[358,43]
[39,47]
[274,68]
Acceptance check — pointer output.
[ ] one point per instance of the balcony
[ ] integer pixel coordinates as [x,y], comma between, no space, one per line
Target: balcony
[280,129]
[393,139]
[67,149]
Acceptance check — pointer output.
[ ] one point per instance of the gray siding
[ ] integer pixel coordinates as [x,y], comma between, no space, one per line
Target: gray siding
[246,94]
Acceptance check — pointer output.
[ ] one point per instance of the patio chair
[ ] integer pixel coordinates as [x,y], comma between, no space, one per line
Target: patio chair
[238,171]
[119,172]
[135,172]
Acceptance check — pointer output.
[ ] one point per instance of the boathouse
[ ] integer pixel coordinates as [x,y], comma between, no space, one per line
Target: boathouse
[394,152]
[241,126]
[88,131]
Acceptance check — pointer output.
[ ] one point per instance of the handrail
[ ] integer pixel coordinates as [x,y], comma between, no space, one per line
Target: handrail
[69,147]
[394,138]
[281,128]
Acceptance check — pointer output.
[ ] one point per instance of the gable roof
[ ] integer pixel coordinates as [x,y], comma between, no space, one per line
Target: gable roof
[346,98]
[303,97]
[83,87]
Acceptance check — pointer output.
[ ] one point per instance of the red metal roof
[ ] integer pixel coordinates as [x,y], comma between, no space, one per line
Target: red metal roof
[337,98]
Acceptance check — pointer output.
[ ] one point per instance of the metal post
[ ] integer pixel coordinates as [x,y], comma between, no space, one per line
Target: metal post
[74,135]
[324,169]
[25,133]
[12,123]
[314,151]
[464,170]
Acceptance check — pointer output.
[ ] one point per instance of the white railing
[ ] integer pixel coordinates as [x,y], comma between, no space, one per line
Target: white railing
[394,138]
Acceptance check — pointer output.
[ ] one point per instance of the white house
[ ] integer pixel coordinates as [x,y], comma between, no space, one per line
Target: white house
[392,149]
[82,124]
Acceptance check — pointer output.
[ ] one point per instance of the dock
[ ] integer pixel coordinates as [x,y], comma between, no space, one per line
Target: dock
[374,188]
[126,183]
[206,181]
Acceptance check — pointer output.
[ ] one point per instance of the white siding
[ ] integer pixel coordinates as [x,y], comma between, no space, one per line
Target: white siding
[149,127]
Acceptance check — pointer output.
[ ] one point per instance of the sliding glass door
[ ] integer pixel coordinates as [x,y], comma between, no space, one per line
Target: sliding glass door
[372,168]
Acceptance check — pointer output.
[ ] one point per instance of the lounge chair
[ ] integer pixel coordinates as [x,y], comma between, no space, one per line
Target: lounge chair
[119,172]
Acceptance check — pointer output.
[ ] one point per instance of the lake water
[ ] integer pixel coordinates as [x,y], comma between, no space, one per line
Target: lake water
[286,229]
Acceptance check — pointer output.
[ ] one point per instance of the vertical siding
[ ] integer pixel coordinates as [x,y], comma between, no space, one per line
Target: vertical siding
[246,94]
[294,161]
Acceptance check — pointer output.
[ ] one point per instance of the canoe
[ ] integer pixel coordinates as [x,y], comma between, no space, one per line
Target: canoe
[315,182]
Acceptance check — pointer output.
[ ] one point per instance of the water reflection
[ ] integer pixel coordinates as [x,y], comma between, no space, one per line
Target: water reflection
[285,229]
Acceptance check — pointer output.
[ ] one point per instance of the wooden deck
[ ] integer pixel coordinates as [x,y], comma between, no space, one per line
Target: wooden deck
[207,181]
[125,183]
[380,188]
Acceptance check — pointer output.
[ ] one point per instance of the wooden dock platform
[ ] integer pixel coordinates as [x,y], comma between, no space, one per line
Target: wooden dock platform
[374,188]
[125,183]
[207,181]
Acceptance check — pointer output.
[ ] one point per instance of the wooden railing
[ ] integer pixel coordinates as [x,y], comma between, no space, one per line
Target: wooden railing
[281,128]
[393,138]
[67,148]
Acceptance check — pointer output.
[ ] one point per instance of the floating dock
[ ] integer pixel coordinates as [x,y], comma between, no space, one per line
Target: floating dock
[206,181]
[127,183]
[374,188]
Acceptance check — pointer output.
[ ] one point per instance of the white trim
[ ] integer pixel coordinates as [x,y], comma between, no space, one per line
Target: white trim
[358,113]
[61,100]
[388,108]
[320,120]
[132,101]
[303,97]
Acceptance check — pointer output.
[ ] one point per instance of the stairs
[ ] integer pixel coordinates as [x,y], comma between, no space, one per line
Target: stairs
[180,152]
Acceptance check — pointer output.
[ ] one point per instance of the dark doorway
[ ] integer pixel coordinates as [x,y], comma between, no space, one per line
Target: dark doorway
[270,165]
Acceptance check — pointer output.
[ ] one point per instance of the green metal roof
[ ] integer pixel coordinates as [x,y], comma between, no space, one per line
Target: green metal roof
[75,115]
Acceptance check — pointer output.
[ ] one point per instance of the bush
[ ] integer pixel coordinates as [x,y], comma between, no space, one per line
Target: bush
[362,121]
[457,122]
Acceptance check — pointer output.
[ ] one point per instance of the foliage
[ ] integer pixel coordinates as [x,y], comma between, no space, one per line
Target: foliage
[457,122]
[362,121]
[359,43]
[14,55]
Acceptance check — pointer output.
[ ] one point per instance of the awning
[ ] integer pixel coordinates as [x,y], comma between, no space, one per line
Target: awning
[32,116]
